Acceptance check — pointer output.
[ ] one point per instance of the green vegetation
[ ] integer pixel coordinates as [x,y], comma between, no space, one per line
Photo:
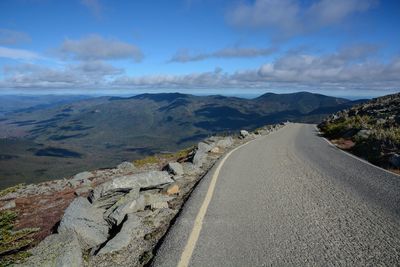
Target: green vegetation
[13,242]
[156,159]
[11,189]
[372,127]
[341,126]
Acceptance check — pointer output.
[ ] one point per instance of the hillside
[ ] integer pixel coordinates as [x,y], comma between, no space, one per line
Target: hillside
[370,130]
[48,143]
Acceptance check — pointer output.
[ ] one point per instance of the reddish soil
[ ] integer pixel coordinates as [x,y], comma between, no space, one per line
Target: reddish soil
[344,144]
[42,211]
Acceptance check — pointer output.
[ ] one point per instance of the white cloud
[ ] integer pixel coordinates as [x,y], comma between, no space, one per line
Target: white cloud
[11,37]
[290,17]
[184,56]
[12,53]
[82,75]
[95,47]
[351,68]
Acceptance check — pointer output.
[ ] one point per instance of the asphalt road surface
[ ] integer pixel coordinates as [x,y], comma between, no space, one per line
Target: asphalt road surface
[290,199]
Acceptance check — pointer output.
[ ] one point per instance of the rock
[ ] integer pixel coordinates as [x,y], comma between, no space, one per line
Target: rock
[8,205]
[395,160]
[173,190]
[131,228]
[199,158]
[130,203]
[84,190]
[203,147]
[190,169]
[58,250]
[86,221]
[109,198]
[226,142]
[142,180]
[156,200]
[364,134]
[80,178]
[175,168]
[126,167]
[214,150]
[244,133]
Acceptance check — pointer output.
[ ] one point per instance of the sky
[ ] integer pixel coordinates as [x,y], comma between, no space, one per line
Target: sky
[333,47]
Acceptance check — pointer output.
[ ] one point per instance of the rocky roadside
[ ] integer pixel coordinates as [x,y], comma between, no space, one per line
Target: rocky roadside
[112,217]
[370,130]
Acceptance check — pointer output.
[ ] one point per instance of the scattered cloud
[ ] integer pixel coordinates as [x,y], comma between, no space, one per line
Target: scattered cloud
[94,6]
[82,75]
[95,47]
[357,67]
[11,37]
[286,18]
[19,54]
[184,56]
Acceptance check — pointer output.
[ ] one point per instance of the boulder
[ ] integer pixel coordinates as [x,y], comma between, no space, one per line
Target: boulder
[395,160]
[199,158]
[214,150]
[175,168]
[126,167]
[244,133]
[131,229]
[58,250]
[156,200]
[226,142]
[364,134]
[203,147]
[109,198]
[173,190]
[144,180]
[80,178]
[132,202]
[86,221]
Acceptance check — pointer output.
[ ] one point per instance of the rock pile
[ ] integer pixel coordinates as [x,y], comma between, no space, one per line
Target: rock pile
[372,129]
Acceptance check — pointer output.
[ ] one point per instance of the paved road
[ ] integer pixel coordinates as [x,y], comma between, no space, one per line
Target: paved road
[291,199]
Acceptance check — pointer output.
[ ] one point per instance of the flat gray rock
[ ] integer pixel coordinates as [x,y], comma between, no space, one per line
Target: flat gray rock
[58,250]
[131,229]
[86,221]
[226,142]
[175,168]
[142,180]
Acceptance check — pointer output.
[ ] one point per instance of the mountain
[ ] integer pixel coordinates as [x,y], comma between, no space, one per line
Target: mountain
[370,130]
[60,140]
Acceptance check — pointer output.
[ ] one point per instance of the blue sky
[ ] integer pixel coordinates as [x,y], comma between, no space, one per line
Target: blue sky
[340,47]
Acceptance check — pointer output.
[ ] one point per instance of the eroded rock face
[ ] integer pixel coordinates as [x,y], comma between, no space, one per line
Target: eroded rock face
[175,168]
[59,250]
[86,221]
[225,143]
[131,228]
[142,180]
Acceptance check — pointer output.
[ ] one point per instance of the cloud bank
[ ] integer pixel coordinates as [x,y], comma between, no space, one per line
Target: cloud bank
[184,56]
[95,47]
[355,67]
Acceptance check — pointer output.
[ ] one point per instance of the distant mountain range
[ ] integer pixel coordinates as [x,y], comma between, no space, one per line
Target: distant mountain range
[56,140]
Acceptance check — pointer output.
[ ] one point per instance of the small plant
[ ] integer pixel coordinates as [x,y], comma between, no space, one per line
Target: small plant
[11,189]
[13,243]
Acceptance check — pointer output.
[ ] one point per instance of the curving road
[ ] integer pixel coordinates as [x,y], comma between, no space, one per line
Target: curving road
[290,199]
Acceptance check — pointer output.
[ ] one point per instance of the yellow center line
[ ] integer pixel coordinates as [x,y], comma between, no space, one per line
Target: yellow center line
[198,223]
